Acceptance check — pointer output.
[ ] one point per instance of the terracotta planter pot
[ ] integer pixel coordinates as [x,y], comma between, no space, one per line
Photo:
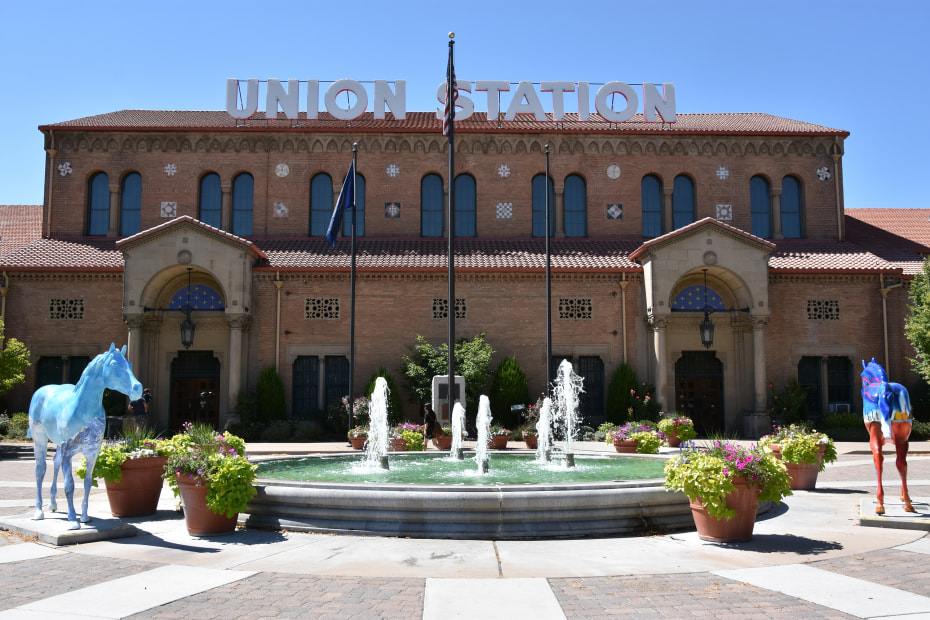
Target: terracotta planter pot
[625,445]
[744,500]
[672,439]
[397,444]
[358,443]
[531,441]
[498,442]
[137,492]
[200,520]
[803,475]
[445,442]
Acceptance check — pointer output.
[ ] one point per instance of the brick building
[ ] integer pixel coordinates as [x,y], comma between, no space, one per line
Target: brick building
[147,213]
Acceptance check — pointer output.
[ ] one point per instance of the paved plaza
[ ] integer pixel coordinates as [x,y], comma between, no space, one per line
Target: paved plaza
[809,558]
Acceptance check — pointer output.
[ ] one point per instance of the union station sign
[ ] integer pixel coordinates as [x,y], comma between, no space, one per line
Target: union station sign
[526,99]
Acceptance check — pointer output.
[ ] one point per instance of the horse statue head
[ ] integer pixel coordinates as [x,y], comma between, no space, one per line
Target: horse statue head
[874,387]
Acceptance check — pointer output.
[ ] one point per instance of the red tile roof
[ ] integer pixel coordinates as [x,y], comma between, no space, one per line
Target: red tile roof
[79,254]
[820,256]
[20,225]
[426,122]
[188,221]
[900,236]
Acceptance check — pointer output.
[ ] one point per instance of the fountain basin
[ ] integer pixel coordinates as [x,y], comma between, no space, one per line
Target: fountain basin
[498,512]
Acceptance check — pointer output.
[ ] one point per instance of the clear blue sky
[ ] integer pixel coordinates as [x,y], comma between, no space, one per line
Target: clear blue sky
[847,64]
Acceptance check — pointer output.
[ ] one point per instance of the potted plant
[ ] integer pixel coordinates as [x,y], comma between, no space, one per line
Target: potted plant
[131,467]
[639,437]
[445,440]
[358,436]
[212,476]
[677,428]
[498,438]
[530,437]
[725,483]
[406,436]
[805,452]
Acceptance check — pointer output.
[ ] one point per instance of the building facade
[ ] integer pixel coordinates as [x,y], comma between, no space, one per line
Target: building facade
[154,218]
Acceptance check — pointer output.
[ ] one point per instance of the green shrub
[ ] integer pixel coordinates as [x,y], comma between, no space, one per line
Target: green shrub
[509,387]
[844,426]
[279,430]
[920,431]
[790,405]
[246,407]
[619,393]
[14,426]
[395,404]
[307,430]
[270,395]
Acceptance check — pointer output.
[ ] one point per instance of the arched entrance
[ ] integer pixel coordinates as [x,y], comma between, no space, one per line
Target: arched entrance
[195,389]
[699,390]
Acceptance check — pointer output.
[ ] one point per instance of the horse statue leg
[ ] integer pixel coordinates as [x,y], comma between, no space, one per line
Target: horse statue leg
[902,434]
[876,441]
[73,523]
[40,450]
[56,467]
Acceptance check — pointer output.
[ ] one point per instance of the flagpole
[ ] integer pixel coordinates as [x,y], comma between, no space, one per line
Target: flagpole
[352,294]
[548,285]
[450,119]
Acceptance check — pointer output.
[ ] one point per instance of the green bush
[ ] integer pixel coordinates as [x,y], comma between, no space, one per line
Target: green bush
[14,426]
[620,393]
[246,407]
[279,430]
[270,396]
[307,430]
[920,431]
[790,405]
[395,404]
[844,426]
[509,387]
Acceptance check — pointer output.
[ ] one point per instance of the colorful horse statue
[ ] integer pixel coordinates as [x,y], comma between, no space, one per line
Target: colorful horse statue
[886,411]
[73,418]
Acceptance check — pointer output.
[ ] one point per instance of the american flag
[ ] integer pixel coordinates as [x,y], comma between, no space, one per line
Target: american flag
[448,114]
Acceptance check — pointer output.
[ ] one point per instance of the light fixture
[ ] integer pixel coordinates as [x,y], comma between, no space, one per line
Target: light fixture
[187,326]
[707,326]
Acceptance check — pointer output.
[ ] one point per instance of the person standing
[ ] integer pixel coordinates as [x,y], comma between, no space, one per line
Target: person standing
[140,406]
[431,427]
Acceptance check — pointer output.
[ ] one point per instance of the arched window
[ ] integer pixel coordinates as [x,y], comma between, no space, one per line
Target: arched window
[682,202]
[651,188]
[431,207]
[466,206]
[243,192]
[359,211]
[539,206]
[576,206]
[321,204]
[791,220]
[130,204]
[211,200]
[98,205]
[693,298]
[760,206]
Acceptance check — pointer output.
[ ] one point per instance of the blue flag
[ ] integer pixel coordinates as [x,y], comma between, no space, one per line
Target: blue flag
[345,201]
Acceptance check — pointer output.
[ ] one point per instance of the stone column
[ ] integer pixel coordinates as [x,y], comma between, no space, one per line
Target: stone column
[660,323]
[559,212]
[226,208]
[237,324]
[776,214]
[667,219]
[113,228]
[134,344]
[758,422]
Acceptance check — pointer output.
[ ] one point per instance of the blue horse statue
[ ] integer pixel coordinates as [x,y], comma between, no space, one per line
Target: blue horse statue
[73,418]
[886,411]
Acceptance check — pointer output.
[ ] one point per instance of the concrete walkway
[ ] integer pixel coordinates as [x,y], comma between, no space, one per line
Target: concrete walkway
[809,558]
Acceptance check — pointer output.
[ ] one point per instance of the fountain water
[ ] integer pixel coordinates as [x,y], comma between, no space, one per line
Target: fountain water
[544,432]
[458,431]
[567,387]
[377,447]
[483,423]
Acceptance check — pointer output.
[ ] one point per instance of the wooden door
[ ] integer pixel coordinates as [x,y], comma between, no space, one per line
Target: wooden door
[701,399]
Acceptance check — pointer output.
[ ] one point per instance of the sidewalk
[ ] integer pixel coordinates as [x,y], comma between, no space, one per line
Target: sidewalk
[808,558]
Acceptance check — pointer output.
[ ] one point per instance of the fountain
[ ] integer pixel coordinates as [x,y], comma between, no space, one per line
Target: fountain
[483,422]
[458,431]
[544,432]
[376,448]
[567,387]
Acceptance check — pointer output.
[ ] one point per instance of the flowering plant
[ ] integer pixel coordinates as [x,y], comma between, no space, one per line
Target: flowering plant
[500,431]
[339,412]
[447,431]
[647,438]
[357,432]
[799,444]
[215,460]
[707,474]
[531,415]
[678,425]
[137,443]
[530,431]
[399,430]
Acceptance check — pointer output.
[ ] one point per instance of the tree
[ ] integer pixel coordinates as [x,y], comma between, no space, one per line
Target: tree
[270,396]
[508,388]
[917,323]
[14,359]
[472,361]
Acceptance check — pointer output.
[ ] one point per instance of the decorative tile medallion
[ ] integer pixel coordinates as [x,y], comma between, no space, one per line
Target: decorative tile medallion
[615,211]
[503,171]
[823,173]
[392,210]
[504,210]
[171,170]
[169,209]
[613,172]
[393,170]
[725,213]
[65,169]
[282,170]
[280,210]
[723,173]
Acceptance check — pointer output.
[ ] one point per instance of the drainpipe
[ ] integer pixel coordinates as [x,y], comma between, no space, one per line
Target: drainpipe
[838,189]
[623,284]
[3,290]
[277,331]
[884,291]
[50,165]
